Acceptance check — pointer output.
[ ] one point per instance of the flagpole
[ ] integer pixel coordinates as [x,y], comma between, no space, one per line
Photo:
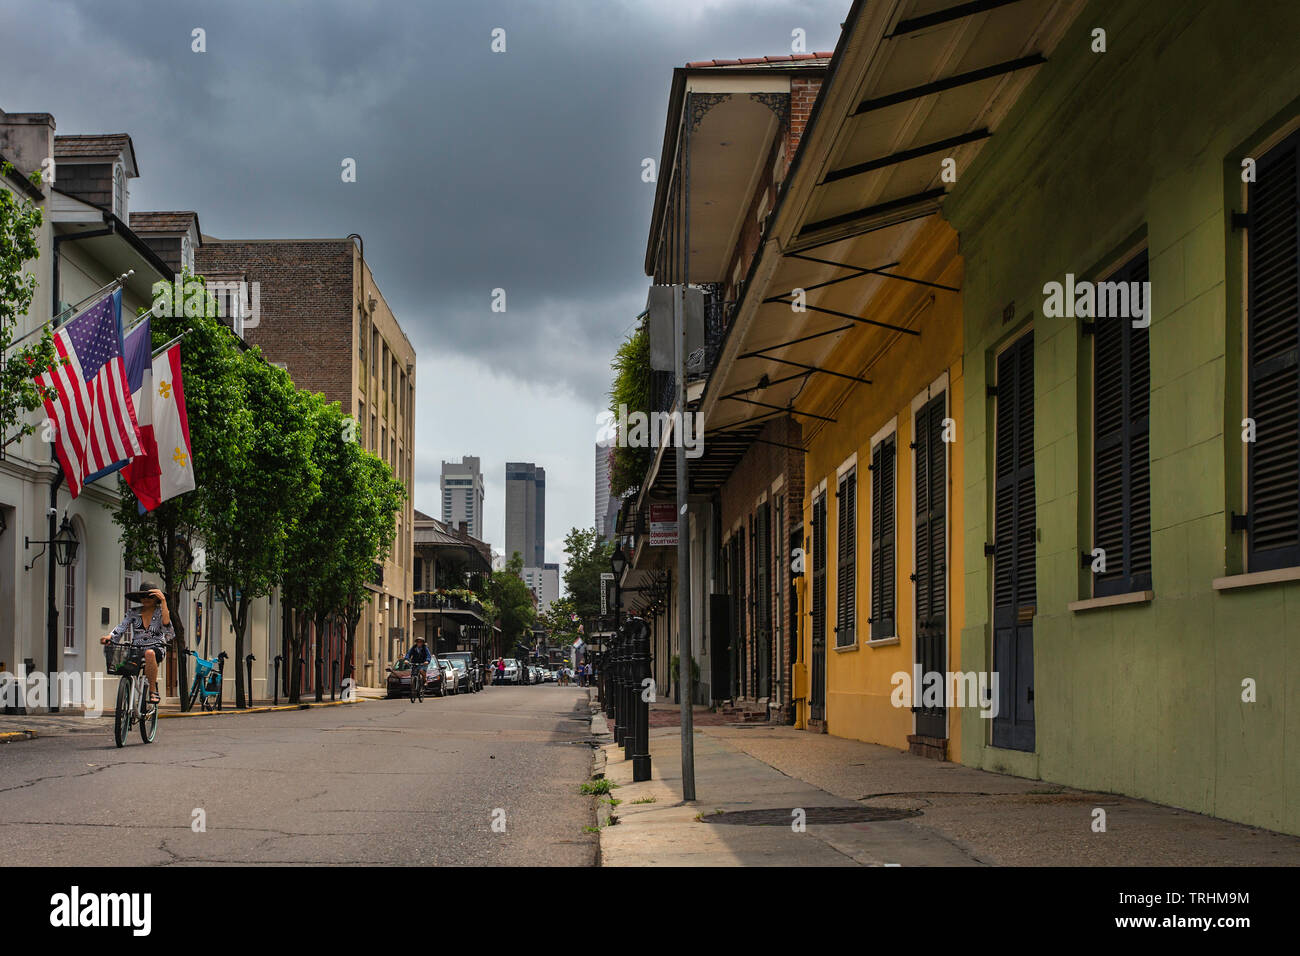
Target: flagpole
[161,349]
[113,285]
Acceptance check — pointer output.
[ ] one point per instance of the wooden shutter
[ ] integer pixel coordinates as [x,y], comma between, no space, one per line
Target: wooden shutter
[1273,357]
[931,503]
[882,540]
[1014,572]
[1121,460]
[819,570]
[846,566]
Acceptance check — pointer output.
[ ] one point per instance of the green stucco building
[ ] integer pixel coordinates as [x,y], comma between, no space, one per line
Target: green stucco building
[1171,672]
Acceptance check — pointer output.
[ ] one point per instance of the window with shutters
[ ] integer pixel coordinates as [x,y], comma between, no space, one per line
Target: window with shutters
[1121,486]
[819,570]
[846,546]
[883,473]
[1273,359]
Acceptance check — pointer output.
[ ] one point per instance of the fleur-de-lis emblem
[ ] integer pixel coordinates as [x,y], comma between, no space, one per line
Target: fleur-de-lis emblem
[180,457]
[165,389]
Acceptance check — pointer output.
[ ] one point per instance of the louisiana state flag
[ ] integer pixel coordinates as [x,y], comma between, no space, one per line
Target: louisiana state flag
[166,469]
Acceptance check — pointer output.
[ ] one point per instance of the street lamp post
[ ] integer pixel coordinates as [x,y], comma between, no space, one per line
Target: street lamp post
[617,564]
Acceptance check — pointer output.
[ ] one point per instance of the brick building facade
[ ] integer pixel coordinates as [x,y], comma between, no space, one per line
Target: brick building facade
[317,312]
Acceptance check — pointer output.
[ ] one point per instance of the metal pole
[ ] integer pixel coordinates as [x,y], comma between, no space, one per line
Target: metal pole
[683,555]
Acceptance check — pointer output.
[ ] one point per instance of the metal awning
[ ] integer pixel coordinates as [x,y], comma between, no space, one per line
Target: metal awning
[913,83]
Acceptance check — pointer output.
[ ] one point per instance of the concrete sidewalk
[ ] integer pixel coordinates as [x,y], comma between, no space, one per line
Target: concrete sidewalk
[949,815]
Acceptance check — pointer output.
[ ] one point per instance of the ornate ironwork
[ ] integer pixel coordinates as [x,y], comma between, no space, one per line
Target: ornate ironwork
[778,103]
[701,103]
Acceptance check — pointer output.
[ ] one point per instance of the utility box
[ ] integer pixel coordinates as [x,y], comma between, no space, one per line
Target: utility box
[659,322]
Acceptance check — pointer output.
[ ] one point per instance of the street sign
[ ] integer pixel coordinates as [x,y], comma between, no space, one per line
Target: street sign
[604,591]
[663,525]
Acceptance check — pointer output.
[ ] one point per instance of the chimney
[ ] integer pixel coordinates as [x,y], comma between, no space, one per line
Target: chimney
[26,140]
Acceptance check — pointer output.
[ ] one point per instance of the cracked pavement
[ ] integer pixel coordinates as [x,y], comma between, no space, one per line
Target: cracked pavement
[382,782]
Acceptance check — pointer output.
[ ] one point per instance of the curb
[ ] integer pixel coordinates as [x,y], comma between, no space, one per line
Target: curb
[260,710]
[13,736]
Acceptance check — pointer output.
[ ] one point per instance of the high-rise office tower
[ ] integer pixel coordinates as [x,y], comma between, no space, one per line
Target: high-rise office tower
[462,495]
[526,512]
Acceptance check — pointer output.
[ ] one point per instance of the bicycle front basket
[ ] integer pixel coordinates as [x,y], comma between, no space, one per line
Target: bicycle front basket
[121,659]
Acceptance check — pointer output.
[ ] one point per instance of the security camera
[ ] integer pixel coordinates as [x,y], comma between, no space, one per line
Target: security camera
[51,512]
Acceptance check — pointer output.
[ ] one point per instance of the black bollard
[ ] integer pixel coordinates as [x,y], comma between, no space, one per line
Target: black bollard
[221,672]
[641,732]
[248,666]
[279,659]
[320,678]
[334,679]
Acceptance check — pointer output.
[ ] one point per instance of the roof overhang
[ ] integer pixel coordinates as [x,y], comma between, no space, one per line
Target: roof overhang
[119,251]
[913,83]
[722,128]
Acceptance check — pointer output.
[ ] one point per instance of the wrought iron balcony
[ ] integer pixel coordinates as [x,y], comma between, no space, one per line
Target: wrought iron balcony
[436,601]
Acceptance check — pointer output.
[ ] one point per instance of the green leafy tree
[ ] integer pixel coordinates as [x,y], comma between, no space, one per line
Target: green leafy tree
[20,221]
[164,541]
[512,601]
[374,497]
[631,388]
[255,503]
[588,559]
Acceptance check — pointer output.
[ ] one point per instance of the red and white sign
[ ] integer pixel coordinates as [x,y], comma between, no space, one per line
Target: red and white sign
[663,525]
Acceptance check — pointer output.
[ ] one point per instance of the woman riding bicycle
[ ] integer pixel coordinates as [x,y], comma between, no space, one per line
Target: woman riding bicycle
[148,627]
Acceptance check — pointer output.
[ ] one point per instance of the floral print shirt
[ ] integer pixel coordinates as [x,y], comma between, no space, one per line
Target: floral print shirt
[156,633]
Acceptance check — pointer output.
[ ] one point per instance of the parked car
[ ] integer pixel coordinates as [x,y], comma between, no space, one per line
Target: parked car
[464,680]
[512,673]
[399,680]
[450,679]
[475,671]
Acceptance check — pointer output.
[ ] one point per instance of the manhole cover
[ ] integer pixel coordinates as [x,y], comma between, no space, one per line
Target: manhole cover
[815,815]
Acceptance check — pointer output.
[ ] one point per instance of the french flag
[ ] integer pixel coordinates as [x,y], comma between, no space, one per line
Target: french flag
[166,469]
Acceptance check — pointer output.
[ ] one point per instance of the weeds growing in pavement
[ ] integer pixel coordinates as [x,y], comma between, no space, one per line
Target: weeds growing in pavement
[644,800]
[591,787]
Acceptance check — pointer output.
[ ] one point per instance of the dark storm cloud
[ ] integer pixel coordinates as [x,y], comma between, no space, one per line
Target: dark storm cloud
[475,170]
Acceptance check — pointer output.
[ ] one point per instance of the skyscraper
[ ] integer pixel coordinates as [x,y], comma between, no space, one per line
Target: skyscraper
[526,512]
[462,495]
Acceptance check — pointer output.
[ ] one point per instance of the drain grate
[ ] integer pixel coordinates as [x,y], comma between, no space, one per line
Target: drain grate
[815,816]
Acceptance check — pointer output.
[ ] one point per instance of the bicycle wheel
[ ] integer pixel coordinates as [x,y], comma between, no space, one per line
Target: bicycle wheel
[149,721]
[121,720]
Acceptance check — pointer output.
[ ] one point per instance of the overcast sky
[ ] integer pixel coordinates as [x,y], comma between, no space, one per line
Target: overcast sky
[475,170]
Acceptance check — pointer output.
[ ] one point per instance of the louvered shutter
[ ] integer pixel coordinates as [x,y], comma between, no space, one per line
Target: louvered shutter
[1273,242]
[845,565]
[882,540]
[819,570]
[1121,462]
[1014,584]
[931,501]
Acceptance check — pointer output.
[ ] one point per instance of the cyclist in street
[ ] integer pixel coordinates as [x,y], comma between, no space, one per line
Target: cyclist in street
[148,626]
[417,655]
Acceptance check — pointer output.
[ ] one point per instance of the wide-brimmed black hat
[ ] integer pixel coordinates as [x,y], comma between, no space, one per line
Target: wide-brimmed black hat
[145,588]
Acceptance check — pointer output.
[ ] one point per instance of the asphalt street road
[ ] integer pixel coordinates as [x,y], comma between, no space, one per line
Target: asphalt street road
[379,782]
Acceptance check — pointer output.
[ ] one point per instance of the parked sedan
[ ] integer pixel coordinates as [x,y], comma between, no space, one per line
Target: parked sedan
[512,672]
[450,679]
[399,680]
[464,681]
[475,672]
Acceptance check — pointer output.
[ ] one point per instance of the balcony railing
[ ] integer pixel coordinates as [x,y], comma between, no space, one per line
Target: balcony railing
[717,316]
[434,601]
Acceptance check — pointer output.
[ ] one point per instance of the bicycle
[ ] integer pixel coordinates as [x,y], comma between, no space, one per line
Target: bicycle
[417,682]
[207,683]
[127,662]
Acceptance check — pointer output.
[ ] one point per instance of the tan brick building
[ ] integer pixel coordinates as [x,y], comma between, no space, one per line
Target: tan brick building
[313,307]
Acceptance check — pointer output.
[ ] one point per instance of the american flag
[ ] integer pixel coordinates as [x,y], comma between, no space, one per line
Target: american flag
[95,430]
